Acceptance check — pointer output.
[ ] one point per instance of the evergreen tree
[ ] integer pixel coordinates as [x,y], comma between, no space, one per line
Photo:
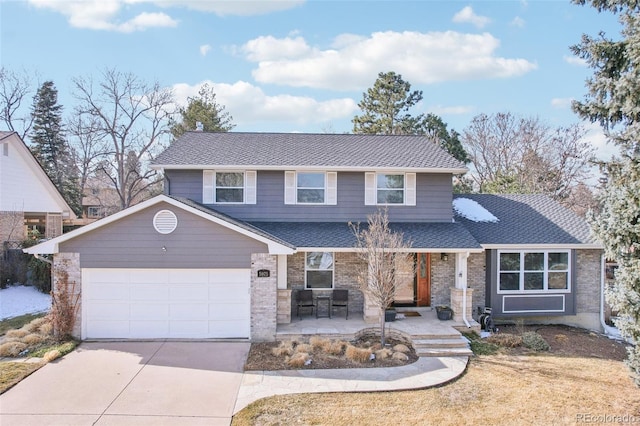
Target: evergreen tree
[205,110]
[386,111]
[50,146]
[612,100]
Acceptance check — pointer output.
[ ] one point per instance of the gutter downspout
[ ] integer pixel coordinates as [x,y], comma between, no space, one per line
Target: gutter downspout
[463,280]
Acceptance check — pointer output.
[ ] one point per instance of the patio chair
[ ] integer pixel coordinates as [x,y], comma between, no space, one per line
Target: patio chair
[340,299]
[304,299]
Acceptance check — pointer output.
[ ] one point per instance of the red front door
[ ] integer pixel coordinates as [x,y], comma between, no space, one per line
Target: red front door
[423,279]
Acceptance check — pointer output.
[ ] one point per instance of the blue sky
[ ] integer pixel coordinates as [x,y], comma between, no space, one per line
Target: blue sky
[286,66]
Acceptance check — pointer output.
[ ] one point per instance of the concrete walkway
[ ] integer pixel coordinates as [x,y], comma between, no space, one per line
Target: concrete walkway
[424,373]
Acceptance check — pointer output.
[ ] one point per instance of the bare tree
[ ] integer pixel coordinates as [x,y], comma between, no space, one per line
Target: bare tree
[510,154]
[15,90]
[387,258]
[132,118]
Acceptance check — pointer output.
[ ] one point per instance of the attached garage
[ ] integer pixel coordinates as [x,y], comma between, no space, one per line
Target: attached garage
[166,303]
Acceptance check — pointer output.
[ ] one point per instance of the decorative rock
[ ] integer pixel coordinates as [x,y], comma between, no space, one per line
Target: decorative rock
[400,356]
[401,348]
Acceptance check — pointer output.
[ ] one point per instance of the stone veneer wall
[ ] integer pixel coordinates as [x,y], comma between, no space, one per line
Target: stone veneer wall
[69,263]
[347,267]
[264,298]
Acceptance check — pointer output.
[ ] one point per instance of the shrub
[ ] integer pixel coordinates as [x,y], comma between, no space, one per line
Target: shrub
[506,340]
[33,339]
[533,340]
[65,304]
[336,347]
[16,334]
[360,355]
[34,326]
[12,349]
[480,346]
[298,360]
[304,347]
[319,343]
[46,329]
[285,348]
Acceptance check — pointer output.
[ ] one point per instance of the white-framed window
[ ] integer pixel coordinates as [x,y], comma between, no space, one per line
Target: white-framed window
[312,187]
[390,189]
[534,271]
[318,270]
[95,211]
[228,187]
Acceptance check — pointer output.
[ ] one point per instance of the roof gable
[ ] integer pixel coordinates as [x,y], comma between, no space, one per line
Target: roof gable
[24,186]
[275,245]
[286,151]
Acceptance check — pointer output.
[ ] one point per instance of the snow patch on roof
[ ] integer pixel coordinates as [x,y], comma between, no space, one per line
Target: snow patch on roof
[473,211]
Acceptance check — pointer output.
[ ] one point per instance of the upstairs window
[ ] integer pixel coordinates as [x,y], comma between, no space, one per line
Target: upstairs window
[318,188]
[224,187]
[533,271]
[390,189]
[229,187]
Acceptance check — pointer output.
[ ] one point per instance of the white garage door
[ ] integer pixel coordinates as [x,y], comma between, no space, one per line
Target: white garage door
[159,303]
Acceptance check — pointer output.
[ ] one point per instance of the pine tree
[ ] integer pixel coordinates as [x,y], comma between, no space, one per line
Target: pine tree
[50,146]
[612,100]
[205,110]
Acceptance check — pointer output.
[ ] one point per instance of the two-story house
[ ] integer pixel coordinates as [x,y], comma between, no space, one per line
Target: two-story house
[247,219]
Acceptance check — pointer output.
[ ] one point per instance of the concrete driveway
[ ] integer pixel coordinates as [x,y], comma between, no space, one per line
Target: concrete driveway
[131,383]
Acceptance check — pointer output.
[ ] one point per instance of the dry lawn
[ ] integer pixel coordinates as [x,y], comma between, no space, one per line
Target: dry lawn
[496,390]
[13,372]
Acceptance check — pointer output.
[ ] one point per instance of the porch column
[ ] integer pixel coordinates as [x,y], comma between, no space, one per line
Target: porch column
[458,291]
[284,294]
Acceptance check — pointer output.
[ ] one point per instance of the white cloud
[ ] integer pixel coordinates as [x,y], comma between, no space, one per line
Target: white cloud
[354,62]
[561,103]
[248,104]
[106,14]
[466,15]
[102,15]
[574,60]
[596,137]
[204,49]
[517,22]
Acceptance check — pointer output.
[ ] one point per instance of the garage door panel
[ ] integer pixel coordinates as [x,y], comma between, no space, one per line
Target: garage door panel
[197,293]
[159,303]
[152,311]
[153,292]
[149,329]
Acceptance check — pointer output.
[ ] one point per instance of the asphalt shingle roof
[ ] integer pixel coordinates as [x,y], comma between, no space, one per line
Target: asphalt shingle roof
[526,219]
[295,150]
[340,234]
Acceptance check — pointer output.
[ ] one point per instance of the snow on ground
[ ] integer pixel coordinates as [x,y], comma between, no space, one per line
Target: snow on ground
[472,210]
[20,300]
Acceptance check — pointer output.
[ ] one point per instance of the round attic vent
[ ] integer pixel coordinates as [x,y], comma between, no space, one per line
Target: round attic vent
[165,221]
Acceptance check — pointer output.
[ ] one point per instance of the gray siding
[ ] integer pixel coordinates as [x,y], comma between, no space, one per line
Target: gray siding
[535,303]
[433,199]
[132,242]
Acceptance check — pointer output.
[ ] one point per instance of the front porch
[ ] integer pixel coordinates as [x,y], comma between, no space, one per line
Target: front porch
[428,335]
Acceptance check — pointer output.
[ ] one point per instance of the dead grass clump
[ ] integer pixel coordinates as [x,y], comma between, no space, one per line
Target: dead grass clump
[16,333]
[401,348]
[336,347]
[304,347]
[12,349]
[506,340]
[33,339]
[560,338]
[35,325]
[285,348]
[51,355]
[46,329]
[298,360]
[319,343]
[400,356]
[360,355]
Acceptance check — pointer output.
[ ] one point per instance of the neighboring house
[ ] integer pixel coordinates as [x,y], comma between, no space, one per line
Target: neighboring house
[28,198]
[248,219]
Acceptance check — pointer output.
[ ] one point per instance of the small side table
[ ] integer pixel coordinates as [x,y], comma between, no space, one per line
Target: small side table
[326,299]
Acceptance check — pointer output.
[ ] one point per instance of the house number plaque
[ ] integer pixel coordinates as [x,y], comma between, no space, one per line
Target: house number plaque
[264,273]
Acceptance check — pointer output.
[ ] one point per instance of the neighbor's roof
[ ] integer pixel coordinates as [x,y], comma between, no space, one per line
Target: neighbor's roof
[340,235]
[280,151]
[532,220]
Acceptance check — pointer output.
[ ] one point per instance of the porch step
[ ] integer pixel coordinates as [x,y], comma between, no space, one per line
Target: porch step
[441,352]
